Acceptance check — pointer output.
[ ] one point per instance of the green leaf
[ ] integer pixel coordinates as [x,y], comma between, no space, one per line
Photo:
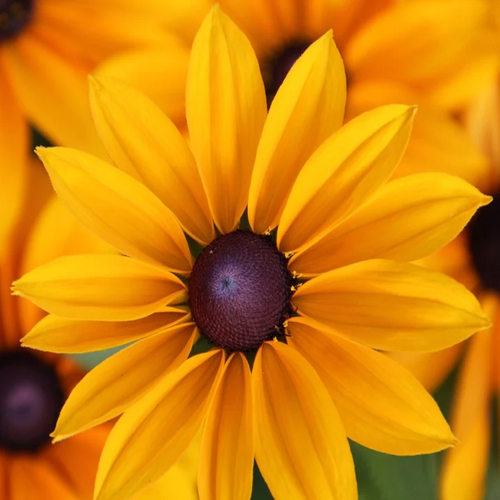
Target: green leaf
[387,477]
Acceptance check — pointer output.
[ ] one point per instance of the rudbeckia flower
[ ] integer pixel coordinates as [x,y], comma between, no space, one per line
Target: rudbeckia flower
[284,246]
[47,48]
[472,259]
[34,385]
[433,53]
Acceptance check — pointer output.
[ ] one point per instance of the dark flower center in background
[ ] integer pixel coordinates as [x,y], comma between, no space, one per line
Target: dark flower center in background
[14,16]
[31,398]
[484,243]
[240,290]
[276,66]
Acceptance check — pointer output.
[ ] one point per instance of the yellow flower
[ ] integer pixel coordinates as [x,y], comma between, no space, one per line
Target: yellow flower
[313,289]
[34,385]
[429,52]
[472,259]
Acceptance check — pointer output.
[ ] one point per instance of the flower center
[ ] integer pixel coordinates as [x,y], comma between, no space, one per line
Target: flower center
[240,290]
[14,16]
[276,66]
[31,398]
[484,243]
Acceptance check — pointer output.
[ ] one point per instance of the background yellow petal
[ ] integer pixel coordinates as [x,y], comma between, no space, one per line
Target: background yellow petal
[392,306]
[62,335]
[438,142]
[225,110]
[122,379]
[148,69]
[465,467]
[382,406]
[152,435]
[100,287]
[308,107]
[53,93]
[390,46]
[227,446]
[343,173]
[300,443]
[407,219]
[144,143]
[117,207]
[430,368]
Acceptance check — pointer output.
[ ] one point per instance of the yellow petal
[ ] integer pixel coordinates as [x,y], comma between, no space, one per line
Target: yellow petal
[144,143]
[382,406]
[124,378]
[225,110]
[392,306]
[100,287]
[390,46]
[300,443]
[180,482]
[147,69]
[62,335]
[117,208]
[465,467]
[52,91]
[308,107]
[407,219]
[227,448]
[152,435]
[343,173]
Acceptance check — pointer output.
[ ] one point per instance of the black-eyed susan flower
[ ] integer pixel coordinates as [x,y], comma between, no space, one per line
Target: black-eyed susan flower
[276,237]
[427,52]
[47,48]
[472,259]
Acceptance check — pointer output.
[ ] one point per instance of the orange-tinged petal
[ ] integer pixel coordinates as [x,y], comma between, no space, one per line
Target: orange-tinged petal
[300,442]
[392,306]
[390,46]
[13,152]
[343,173]
[143,142]
[117,208]
[100,287]
[62,335]
[407,219]
[225,110]
[124,378]
[382,406]
[152,435]
[29,477]
[227,447]
[308,107]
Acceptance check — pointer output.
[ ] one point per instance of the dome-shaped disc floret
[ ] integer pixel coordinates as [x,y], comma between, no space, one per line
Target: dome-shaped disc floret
[14,16]
[484,243]
[31,398]
[240,290]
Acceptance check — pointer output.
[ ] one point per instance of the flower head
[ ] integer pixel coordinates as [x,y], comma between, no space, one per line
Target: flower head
[272,238]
